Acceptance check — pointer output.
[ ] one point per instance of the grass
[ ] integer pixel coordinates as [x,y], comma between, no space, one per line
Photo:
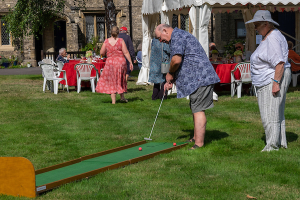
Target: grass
[49,129]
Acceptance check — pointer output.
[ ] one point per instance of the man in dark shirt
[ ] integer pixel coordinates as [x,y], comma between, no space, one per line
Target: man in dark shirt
[129,45]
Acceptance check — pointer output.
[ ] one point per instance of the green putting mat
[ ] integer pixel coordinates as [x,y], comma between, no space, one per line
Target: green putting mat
[101,161]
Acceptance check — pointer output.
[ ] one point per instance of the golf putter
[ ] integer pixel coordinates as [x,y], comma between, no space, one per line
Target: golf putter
[155,119]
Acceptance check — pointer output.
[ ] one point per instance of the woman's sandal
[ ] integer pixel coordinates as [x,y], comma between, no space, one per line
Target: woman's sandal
[190,140]
[124,100]
[194,147]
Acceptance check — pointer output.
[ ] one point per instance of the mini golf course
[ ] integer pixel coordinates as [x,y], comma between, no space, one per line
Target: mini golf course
[18,177]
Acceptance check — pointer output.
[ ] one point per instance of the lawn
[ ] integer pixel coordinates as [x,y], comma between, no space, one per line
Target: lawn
[49,129]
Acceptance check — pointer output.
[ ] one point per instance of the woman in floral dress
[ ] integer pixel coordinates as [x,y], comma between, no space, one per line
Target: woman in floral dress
[113,77]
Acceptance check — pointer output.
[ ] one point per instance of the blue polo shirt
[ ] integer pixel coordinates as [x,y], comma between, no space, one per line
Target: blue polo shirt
[195,69]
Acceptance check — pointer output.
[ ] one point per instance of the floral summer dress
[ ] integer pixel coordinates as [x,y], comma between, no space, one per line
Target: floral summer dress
[113,77]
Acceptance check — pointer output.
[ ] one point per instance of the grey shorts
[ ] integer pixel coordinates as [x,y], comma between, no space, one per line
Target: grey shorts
[202,99]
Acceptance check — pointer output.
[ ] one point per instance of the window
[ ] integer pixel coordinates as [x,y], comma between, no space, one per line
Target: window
[5,37]
[175,21]
[181,21]
[240,28]
[95,26]
[184,22]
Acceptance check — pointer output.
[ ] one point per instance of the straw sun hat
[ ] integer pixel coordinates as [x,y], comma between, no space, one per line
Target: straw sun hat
[262,16]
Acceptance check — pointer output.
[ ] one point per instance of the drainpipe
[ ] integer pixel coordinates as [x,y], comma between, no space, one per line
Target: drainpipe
[130,18]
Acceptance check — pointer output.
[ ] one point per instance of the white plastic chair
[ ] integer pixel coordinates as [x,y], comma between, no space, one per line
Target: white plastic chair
[60,66]
[49,74]
[83,73]
[48,61]
[236,85]
[294,76]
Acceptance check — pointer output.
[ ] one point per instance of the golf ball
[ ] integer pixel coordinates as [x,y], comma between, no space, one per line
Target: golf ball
[140,148]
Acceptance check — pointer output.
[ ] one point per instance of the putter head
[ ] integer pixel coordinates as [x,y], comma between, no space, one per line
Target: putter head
[147,138]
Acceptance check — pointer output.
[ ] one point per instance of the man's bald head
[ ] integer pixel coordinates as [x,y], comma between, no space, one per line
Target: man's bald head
[163,33]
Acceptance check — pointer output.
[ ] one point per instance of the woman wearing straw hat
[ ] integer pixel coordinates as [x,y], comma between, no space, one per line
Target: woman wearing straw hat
[271,74]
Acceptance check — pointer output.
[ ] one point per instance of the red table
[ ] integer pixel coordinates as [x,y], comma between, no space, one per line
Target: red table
[224,72]
[71,72]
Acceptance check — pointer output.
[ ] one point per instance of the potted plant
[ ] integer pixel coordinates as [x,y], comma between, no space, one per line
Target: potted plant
[238,56]
[5,62]
[14,60]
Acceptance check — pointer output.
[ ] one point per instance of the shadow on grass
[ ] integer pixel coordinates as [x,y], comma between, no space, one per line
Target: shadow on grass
[135,89]
[36,78]
[172,96]
[209,135]
[129,100]
[290,137]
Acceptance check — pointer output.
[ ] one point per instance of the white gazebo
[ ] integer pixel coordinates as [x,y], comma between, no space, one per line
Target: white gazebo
[200,12]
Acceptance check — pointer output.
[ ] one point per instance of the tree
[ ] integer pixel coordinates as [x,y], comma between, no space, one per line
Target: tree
[110,15]
[30,17]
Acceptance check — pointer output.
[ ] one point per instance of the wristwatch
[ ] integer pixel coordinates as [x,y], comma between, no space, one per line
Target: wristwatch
[276,81]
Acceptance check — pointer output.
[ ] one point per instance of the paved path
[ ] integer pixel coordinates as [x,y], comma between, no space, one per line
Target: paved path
[21,71]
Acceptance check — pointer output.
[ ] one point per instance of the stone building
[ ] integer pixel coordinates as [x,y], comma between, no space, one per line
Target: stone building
[77,26]
[231,26]
[73,30]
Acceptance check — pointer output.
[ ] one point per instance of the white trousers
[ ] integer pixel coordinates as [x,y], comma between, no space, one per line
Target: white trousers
[272,112]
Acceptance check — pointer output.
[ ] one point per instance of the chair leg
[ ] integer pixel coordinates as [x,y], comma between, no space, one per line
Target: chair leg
[93,85]
[67,85]
[44,85]
[78,85]
[55,84]
[294,79]
[239,90]
[232,89]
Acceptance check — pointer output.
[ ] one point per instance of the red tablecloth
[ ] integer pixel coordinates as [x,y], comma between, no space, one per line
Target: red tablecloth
[71,72]
[224,71]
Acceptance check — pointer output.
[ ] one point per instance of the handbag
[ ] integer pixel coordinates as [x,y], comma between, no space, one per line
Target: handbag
[165,66]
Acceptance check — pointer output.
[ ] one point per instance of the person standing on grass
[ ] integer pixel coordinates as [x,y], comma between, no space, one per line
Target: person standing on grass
[129,45]
[112,79]
[271,75]
[193,73]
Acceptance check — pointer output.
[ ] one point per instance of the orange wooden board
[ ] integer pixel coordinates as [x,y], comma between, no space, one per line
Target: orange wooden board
[17,177]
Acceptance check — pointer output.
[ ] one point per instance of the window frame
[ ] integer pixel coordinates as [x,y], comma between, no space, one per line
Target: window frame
[8,47]
[95,14]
